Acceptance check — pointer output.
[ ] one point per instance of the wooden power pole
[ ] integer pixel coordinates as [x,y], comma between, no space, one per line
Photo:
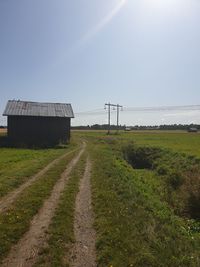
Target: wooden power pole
[118,107]
[109,110]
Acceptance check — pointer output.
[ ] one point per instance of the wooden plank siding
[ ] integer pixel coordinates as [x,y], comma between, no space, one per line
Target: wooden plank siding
[33,130]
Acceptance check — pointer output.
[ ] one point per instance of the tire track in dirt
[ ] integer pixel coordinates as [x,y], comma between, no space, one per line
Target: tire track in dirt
[83,252]
[25,252]
[7,200]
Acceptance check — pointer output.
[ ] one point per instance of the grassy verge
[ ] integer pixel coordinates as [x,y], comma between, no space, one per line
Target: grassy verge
[134,226]
[61,235]
[15,222]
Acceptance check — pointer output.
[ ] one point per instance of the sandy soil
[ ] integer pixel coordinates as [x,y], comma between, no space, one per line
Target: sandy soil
[83,253]
[7,200]
[25,252]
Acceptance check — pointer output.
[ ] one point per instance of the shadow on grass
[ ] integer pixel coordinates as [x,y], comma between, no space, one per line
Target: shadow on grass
[5,142]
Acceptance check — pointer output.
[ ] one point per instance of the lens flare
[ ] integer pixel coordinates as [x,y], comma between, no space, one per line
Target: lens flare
[91,33]
[105,20]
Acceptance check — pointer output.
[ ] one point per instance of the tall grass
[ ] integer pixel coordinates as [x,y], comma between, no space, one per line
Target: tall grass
[135,225]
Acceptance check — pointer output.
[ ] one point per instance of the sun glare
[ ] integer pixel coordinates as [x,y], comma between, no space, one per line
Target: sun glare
[105,20]
[165,8]
[161,3]
[164,5]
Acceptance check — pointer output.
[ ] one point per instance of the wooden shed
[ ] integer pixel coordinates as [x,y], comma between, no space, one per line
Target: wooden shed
[34,123]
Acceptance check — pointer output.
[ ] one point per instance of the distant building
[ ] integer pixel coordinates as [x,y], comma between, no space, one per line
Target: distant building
[34,123]
[192,130]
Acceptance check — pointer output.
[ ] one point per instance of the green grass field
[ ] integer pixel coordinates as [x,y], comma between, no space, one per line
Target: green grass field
[18,165]
[178,141]
[144,214]
[145,196]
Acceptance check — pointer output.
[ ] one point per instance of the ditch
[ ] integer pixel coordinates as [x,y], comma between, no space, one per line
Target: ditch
[179,176]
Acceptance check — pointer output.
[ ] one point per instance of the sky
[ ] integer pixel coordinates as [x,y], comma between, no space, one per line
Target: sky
[137,53]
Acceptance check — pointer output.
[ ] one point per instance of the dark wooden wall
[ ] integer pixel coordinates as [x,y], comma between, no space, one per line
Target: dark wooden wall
[38,130]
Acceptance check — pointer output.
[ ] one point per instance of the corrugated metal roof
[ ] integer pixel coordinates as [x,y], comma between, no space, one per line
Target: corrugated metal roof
[26,108]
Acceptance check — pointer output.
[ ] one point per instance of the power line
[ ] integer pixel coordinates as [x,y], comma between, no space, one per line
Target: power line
[109,105]
[90,114]
[164,108]
[101,111]
[90,111]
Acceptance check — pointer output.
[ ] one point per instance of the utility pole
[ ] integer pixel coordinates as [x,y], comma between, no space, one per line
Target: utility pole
[109,106]
[118,106]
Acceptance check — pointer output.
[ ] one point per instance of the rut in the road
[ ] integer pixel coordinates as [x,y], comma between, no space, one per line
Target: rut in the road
[7,200]
[25,252]
[83,253]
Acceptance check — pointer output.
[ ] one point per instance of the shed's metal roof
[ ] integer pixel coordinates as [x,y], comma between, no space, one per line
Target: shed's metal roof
[26,108]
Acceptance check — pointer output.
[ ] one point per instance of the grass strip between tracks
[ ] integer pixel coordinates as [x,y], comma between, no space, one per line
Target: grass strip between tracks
[15,221]
[61,231]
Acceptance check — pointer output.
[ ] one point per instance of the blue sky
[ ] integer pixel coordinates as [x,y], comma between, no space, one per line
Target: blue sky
[133,52]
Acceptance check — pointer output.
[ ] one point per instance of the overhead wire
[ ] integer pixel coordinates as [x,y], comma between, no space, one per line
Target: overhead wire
[164,108]
[101,111]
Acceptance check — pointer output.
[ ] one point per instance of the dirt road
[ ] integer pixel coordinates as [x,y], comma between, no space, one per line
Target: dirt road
[25,252]
[6,201]
[83,252]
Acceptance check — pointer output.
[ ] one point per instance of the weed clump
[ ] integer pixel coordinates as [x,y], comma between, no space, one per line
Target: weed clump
[162,169]
[175,179]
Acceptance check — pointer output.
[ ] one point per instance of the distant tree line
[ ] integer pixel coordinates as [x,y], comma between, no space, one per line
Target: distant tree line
[139,127]
[98,127]
[167,127]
